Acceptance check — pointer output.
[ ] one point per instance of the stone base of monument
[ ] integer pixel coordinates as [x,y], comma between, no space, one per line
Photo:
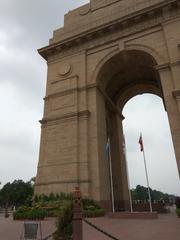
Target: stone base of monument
[134,215]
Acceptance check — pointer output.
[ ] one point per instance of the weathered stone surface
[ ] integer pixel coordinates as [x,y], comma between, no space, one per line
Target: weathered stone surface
[107,52]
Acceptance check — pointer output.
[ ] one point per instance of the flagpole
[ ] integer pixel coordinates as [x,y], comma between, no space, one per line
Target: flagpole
[149,193]
[111,176]
[147,179]
[128,179]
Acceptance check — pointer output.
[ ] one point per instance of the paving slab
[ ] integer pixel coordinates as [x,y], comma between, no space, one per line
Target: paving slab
[12,230]
[166,227]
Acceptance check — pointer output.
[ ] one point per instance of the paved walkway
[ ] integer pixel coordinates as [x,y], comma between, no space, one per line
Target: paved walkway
[166,227]
[12,230]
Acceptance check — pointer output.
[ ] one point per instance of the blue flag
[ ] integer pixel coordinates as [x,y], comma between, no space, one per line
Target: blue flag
[107,148]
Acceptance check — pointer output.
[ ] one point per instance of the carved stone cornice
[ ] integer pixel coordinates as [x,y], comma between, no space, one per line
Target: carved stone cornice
[162,67]
[69,91]
[129,24]
[59,94]
[176,93]
[167,66]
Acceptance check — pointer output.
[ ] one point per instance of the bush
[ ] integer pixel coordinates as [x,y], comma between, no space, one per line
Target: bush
[178,212]
[91,208]
[29,213]
[86,203]
[44,199]
[64,221]
[90,213]
[177,202]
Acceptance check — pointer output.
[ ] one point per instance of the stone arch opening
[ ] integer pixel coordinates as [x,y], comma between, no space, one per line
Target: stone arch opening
[122,77]
[127,69]
[146,113]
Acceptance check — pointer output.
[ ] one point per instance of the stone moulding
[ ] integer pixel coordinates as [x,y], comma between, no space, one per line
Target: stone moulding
[166,66]
[85,113]
[176,93]
[61,182]
[95,7]
[125,22]
[64,78]
[121,10]
[66,92]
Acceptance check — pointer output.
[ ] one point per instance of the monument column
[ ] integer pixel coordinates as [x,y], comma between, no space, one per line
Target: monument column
[172,108]
[176,94]
[119,164]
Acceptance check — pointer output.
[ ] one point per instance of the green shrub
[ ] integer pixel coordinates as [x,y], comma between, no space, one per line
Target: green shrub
[64,221]
[45,200]
[86,203]
[29,213]
[60,206]
[90,213]
[65,217]
[91,208]
[178,212]
[177,202]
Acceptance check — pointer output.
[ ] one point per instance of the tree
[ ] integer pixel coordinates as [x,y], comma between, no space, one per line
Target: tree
[141,193]
[16,193]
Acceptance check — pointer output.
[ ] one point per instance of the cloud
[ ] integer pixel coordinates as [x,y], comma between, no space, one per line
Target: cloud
[26,26]
[146,114]
[37,19]
[19,138]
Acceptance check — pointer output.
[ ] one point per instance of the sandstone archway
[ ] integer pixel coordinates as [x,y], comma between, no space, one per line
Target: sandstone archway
[122,77]
[107,52]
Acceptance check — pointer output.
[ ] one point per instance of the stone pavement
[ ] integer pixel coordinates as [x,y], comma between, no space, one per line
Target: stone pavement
[12,230]
[166,227]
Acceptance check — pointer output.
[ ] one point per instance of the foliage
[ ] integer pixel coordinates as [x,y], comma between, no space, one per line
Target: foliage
[91,208]
[16,193]
[86,202]
[178,212]
[141,193]
[93,212]
[51,208]
[29,213]
[177,202]
[52,205]
[64,221]
[52,197]
[60,206]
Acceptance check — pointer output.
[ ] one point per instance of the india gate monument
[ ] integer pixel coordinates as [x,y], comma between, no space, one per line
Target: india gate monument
[107,52]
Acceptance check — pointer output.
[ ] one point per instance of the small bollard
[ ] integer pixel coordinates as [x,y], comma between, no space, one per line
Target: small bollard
[6,214]
[77,215]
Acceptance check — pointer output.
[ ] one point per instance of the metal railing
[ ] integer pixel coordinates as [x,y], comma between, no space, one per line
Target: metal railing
[100,230]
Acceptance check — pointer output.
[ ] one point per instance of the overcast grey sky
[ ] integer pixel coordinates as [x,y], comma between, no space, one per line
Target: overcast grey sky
[145,113]
[26,26]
